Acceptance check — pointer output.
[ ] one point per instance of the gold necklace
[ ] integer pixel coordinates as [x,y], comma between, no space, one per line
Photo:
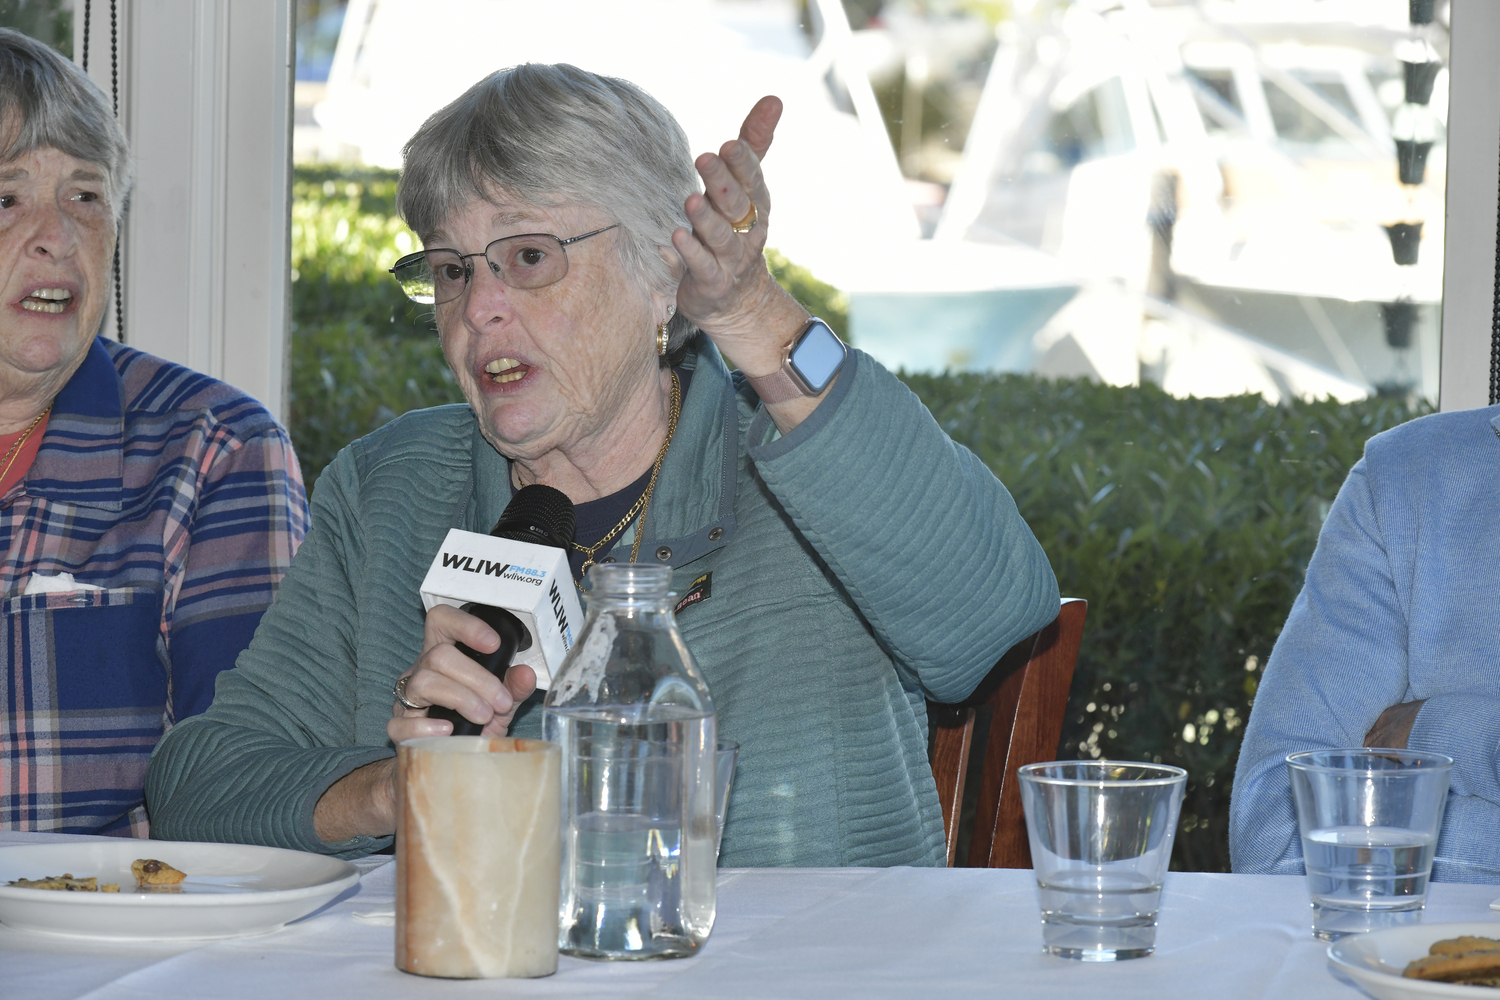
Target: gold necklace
[15,449]
[639,507]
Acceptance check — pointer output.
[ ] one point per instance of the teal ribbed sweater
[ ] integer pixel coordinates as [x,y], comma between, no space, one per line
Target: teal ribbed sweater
[860,564]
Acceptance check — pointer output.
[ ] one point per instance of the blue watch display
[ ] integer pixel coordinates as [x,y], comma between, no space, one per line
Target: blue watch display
[816,357]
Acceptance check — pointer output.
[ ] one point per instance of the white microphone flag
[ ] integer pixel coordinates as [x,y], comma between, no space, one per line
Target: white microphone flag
[530,581]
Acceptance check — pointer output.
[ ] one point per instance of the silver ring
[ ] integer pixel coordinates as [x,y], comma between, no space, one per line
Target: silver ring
[400,692]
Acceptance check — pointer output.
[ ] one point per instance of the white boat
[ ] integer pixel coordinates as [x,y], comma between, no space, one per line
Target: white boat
[1215,165]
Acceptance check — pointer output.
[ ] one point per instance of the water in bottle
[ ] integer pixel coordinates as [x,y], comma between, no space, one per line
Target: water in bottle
[637,727]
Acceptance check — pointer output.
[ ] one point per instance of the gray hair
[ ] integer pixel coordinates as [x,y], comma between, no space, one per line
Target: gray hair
[45,100]
[539,132]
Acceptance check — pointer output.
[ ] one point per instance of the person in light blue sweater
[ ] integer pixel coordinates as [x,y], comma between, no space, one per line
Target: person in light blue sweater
[1393,642]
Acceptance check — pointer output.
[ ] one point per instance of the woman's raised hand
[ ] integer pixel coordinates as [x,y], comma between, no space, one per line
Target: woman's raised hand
[444,676]
[726,288]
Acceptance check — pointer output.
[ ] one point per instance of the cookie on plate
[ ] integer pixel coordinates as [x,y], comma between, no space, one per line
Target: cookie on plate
[149,871]
[65,883]
[1474,961]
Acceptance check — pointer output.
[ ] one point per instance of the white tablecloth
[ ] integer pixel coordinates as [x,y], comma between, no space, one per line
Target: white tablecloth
[787,933]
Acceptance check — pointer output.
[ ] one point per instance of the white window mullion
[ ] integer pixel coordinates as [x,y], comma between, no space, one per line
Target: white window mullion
[1473,179]
[205,98]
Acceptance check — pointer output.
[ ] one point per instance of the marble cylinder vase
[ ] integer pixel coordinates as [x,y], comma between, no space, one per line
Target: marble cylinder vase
[477,855]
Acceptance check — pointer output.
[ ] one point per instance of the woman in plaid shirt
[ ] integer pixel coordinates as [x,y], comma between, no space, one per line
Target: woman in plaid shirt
[147,513]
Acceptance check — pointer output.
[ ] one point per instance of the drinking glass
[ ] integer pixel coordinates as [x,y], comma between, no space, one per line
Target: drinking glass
[1101,837]
[724,760]
[1369,821]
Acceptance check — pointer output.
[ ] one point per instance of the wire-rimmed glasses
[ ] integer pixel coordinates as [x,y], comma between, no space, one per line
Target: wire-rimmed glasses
[531,260]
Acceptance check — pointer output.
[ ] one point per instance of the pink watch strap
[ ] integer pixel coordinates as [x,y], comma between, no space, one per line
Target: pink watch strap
[776,387]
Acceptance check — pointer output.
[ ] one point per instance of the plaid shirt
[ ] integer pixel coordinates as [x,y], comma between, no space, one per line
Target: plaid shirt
[180,498]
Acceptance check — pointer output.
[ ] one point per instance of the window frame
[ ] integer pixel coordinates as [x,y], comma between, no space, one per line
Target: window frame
[1469,252]
[205,98]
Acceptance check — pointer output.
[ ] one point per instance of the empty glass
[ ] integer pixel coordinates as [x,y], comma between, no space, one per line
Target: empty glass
[1369,821]
[1101,837]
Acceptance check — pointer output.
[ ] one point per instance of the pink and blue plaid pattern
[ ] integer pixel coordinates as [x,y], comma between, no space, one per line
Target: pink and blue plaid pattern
[180,498]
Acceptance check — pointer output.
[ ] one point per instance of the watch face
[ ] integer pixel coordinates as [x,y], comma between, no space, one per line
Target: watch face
[817,357]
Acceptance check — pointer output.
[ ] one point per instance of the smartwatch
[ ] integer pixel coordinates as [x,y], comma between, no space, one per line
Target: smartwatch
[808,364]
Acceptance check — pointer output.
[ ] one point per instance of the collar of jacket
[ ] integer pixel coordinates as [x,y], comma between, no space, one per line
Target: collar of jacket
[82,455]
[692,507]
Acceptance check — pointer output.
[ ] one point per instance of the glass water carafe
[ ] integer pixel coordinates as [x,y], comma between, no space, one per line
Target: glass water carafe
[637,729]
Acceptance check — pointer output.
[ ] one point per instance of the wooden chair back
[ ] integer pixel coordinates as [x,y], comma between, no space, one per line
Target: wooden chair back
[1027,694]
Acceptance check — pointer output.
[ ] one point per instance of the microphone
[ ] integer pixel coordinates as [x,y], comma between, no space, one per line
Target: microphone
[516,580]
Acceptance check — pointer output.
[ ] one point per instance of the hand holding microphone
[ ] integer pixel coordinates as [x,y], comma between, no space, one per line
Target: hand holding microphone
[511,608]
[443,676]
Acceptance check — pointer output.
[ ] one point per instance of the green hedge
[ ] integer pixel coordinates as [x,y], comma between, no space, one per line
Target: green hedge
[361,352]
[1186,523]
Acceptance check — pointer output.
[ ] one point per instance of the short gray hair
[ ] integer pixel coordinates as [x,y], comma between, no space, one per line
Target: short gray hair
[540,131]
[45,100]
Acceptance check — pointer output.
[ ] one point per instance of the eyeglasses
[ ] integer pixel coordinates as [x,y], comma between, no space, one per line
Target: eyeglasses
[532,260]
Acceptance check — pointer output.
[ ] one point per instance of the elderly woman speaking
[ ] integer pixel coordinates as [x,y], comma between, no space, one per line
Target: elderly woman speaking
[845,558]
[147,512]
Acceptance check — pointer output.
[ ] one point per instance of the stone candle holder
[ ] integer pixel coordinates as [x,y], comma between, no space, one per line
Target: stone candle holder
[477,857]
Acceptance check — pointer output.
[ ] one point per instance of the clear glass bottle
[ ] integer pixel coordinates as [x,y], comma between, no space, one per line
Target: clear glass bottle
[637,729]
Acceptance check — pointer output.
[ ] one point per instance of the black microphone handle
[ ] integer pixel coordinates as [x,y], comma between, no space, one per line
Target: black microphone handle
[513,639]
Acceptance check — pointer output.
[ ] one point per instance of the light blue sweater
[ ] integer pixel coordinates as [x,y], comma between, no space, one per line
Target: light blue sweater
[858,565]
[1401,603]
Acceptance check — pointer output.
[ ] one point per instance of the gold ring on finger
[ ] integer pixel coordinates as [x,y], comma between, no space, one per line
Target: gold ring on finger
[400,692]
[748,222]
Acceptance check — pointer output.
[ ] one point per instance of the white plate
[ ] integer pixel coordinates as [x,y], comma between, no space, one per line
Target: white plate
[231,889]
[1376,960]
